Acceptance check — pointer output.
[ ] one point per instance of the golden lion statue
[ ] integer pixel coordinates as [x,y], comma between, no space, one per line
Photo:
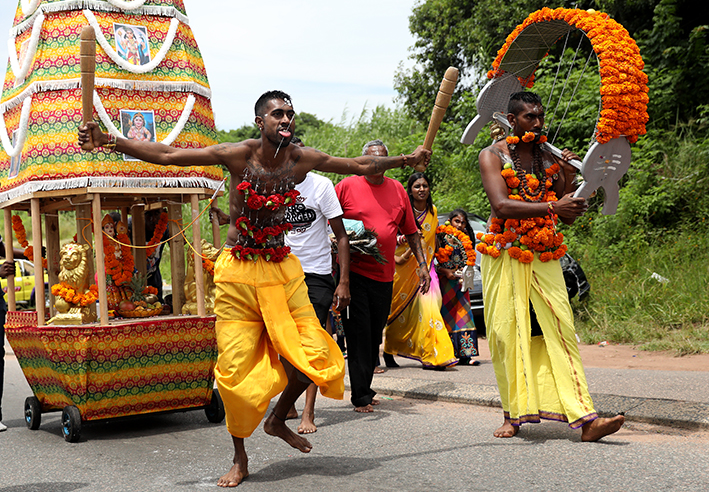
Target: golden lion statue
[74,274]
[190,307]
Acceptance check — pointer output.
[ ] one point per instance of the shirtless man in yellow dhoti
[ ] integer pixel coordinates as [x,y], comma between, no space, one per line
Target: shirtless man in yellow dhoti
[537,376]
[262,303]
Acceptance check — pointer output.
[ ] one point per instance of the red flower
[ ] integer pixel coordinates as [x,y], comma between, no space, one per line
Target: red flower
[245,188]
[274,201]
[291,196]
[256,202]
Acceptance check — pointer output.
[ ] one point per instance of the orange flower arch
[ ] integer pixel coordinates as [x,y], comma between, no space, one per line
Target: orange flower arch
[624,91]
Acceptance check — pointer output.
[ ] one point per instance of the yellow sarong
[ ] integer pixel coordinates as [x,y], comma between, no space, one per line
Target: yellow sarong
[542,376]
[415,328]
[263,310]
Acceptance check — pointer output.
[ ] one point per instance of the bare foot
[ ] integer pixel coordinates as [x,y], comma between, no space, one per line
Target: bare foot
[507,430]
[276,426]
[292,413]
[307,426]
[364,409]
[601,427]
[375,401]
[239,471]
[378,370]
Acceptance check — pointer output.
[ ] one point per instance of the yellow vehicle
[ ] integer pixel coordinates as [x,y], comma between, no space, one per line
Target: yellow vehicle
[24,284]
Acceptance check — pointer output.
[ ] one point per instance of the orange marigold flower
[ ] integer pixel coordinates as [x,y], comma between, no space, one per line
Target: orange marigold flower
[493,251]
[514,252]
[545,256]
[509,236]
[526,257]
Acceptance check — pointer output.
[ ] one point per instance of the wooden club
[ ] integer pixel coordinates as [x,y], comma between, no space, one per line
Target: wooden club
[443,99]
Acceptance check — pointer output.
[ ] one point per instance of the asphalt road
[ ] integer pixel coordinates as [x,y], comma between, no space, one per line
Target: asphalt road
[405,445]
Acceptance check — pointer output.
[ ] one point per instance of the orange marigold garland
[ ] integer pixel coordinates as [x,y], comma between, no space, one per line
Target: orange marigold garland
[21,235]
[624,90]
[160,229]
[66,292]
[452,240]
[521,238]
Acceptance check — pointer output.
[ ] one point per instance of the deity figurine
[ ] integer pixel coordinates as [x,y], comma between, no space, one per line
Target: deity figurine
[72,293]
[210,254]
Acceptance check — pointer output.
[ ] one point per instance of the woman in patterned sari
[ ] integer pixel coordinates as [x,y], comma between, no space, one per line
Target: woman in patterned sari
[415,328]
[456,301]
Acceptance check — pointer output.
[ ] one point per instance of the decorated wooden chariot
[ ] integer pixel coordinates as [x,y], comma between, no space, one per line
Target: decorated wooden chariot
[106,347]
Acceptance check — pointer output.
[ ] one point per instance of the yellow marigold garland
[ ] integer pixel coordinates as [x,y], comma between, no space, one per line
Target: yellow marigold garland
[623,83]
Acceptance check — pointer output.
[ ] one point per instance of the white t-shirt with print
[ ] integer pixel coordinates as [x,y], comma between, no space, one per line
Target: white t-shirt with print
[309,240]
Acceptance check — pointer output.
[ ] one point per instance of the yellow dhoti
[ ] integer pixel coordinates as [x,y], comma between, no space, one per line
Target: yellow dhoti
[263,311]
[542,376]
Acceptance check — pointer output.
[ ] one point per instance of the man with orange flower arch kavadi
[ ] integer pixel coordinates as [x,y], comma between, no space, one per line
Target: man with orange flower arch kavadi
[537,376]
[262,303]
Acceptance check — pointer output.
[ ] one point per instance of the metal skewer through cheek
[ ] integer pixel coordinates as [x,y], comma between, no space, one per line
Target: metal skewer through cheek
[283,138]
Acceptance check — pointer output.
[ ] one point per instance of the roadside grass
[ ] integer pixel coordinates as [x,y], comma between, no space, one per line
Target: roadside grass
[627,305]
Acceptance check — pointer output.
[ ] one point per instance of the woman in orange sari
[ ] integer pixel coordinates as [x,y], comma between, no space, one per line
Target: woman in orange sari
[415,328]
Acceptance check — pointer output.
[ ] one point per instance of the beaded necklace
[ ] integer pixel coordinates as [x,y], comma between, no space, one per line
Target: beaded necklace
[529,191]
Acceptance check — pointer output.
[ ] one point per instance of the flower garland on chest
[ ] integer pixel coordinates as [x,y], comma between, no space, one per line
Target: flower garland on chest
[521,238]
[260,236]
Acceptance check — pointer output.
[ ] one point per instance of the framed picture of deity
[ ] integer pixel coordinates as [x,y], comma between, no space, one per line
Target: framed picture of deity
[137,125]
[16,161]
[132,43]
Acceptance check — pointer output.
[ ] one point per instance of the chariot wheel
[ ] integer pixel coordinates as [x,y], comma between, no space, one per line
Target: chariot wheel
[215,410]
[33,413]
[71,423]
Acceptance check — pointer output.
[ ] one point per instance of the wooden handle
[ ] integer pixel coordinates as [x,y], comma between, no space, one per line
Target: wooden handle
[443,99]
[87,54]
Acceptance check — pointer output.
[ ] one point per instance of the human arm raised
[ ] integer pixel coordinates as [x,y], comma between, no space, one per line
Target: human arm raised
[341,297]
[158,153]
[567,207]
[365,164]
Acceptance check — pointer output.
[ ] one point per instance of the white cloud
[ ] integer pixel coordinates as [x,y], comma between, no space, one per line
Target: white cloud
[329,56]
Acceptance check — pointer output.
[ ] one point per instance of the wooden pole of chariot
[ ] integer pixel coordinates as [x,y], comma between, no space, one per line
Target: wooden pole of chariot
[9,255]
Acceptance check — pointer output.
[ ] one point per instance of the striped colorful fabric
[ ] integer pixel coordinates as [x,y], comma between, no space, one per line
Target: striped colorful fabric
[456,314]
[119,370]
[45,68]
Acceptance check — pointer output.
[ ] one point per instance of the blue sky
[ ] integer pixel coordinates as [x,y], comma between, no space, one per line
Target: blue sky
[334,58]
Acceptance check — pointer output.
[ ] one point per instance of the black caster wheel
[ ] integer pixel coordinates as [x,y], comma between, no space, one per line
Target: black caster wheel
[215,409]
[71,423]
[33,413]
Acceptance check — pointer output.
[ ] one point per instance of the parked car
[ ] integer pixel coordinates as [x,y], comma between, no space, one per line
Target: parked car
[24,284]
[574,276]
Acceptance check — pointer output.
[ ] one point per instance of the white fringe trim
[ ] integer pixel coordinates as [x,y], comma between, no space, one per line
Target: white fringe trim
[113,130]
[108,182]
[124,64]
[95,5]
[22,136]
[21,71]
[139,85]
[121,4]
[28,6]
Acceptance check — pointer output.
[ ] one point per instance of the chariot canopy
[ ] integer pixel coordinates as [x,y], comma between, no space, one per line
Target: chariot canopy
[150,84]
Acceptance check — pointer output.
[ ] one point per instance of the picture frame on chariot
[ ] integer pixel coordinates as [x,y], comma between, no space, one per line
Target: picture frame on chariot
[137,124]
[16,161]
[132,43]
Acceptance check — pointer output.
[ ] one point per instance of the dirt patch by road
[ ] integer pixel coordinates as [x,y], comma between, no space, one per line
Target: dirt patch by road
[628,357]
